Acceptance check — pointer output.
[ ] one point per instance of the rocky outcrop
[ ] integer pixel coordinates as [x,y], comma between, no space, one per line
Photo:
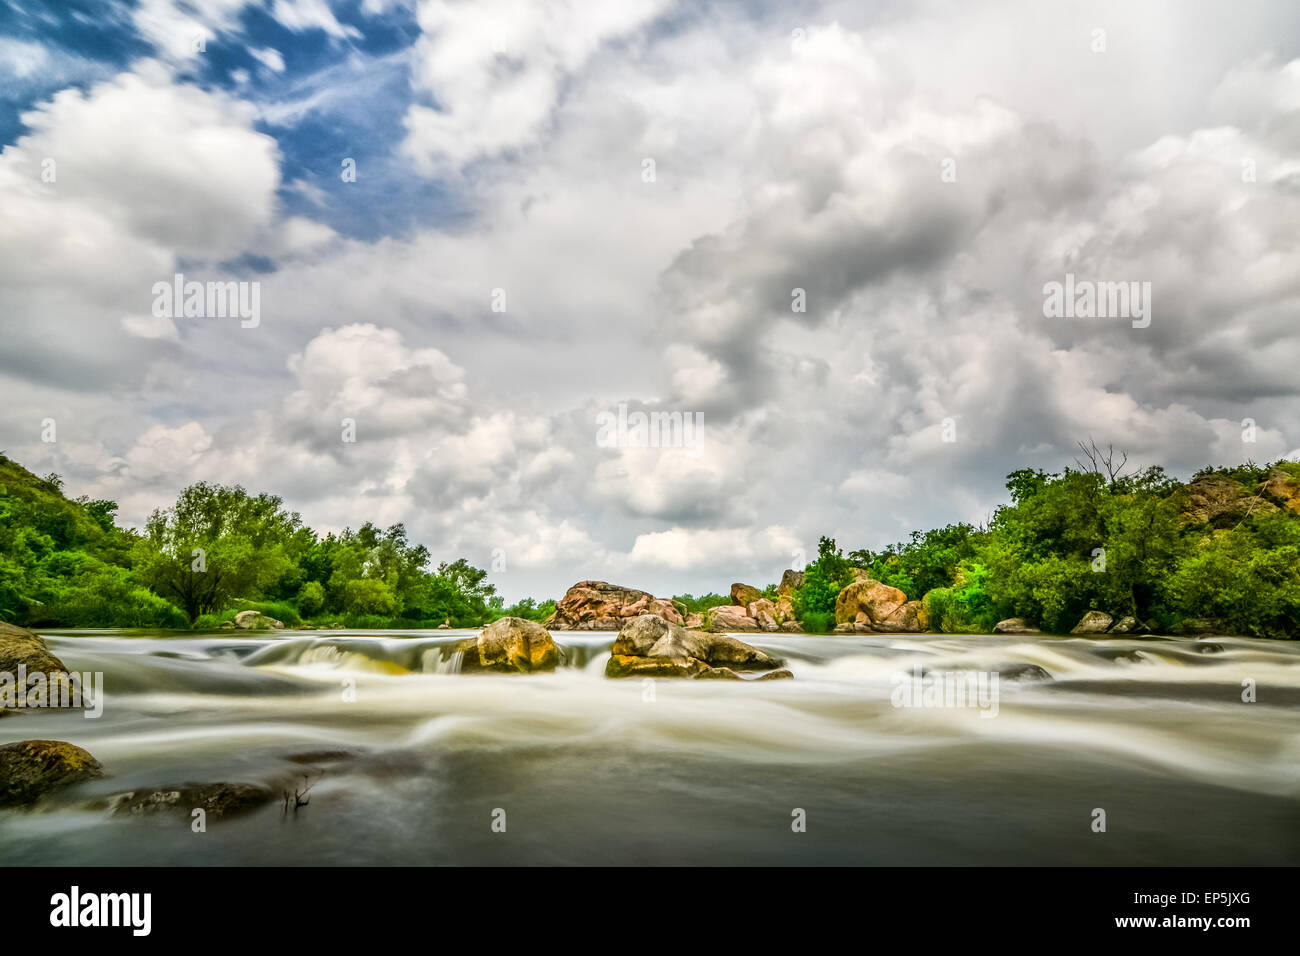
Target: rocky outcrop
[215,799]
[869,598]
[597,606]
[1282,489]
[256,621]
[791,581]
[728,617]
[1094,622]
[1219,501]
[21,648]
[30,769]
[867,606]
[650,646]
[510,645]
[1015,625]
[743,595]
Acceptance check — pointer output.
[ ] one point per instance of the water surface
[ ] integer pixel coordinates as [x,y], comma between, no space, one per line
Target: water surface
[595,771]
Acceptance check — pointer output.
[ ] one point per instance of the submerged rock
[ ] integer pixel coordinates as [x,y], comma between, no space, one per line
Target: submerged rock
[1022,672]
[1094,622]
[215,799]
[650,646]
[510,645]
[30,769]
[597,606]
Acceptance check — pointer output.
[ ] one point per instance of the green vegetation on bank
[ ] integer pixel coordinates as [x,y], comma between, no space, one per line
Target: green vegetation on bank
[1220,552]
[219,550]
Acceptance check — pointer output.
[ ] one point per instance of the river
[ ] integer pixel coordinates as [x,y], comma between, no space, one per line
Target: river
[428,766]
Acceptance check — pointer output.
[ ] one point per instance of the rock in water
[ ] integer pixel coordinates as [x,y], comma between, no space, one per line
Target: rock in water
[30,769]
[510,645]
[1015,625]
[650,646]
[1126,625]
[20,647]
[255,621]
[597,606]
[215,799]
[871,606]
[1094,622]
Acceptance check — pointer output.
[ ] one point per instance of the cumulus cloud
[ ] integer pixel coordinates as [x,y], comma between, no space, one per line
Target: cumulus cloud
[497,70]
[917,195]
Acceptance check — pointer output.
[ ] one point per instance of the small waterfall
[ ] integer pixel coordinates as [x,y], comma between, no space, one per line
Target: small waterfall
[443,663]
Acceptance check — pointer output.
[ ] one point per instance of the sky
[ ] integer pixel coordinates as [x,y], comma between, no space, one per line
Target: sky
[821,231]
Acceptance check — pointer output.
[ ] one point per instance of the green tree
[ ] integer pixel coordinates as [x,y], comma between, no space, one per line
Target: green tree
[217,543]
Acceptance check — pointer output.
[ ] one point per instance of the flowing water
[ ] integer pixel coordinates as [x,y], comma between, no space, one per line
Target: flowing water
[419,767]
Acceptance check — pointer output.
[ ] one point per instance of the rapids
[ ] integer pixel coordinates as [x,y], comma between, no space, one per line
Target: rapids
[415,768]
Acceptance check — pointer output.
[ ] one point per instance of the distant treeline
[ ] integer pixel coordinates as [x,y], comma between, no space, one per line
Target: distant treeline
[1222,551]
[216,551]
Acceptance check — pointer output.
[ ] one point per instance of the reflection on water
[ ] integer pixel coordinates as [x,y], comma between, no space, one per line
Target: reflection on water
[589,770]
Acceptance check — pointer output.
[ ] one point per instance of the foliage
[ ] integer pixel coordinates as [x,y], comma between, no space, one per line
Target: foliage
[822,583]
[697,605]
[216,551]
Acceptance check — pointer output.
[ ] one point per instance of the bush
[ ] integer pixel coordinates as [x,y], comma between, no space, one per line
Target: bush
[818,622]
[966,607]
[369,596]
[311,599]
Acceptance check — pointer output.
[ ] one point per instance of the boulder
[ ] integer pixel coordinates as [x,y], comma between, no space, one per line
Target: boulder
[510,645]
[1015,625]
[728,617]
[1094,622]
[694,621]
[791,627]
[743,595]
[650,646]
[1125,625]
[597,606]
[1219,501]
[215,799]
[30,769]
[1283,489]
[256,621]
[910,618]
[876,602]
[20,647]
[764,614]
[784,611]
[791,581]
